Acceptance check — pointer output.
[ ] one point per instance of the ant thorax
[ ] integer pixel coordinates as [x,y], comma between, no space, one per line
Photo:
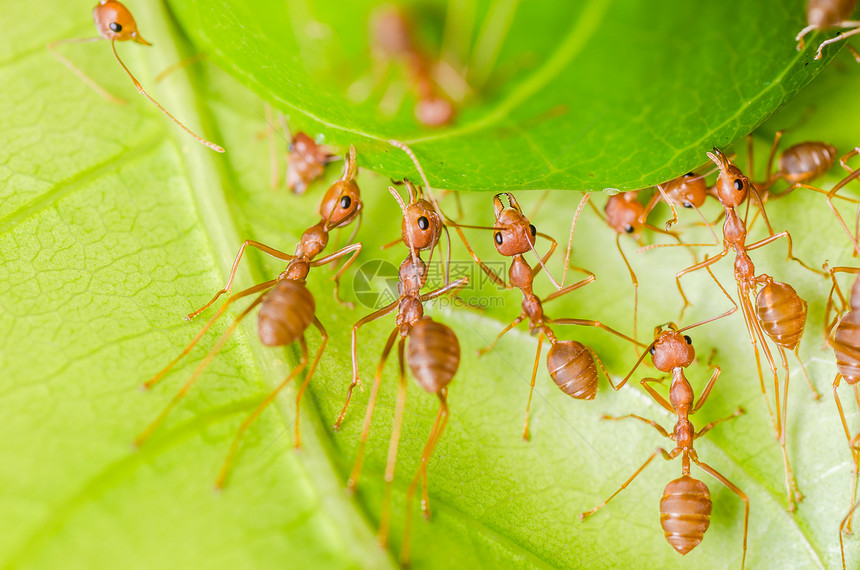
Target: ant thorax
[413,276]
[520,274]
[314,241]
[734,229]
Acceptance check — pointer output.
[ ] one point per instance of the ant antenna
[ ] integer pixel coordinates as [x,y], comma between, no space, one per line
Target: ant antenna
[143,92]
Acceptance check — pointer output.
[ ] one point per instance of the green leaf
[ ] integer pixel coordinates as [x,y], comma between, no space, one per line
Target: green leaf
[579,95]
[114,224]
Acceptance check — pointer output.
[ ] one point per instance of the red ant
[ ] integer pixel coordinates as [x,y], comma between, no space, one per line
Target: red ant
[432,351]
[802,163]
[114,22]
[685,508]
[625,214]
[393,36]
[570,363]
[779,312]
[287,307]
[827,14]
[843,336]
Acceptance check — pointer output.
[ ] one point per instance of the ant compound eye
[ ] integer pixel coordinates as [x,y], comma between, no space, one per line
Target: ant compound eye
[688,339]
[653,351]
[739,184]
[498,238]
[686,204]
[533,229]
[345,202]
[115,27]
[628,228]
[423,223]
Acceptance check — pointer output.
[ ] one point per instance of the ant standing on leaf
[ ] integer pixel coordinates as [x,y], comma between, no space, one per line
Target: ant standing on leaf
[570,363]
[114,22]
[843,336]
[287,307]
[432,353]
[685,508]
[778,313]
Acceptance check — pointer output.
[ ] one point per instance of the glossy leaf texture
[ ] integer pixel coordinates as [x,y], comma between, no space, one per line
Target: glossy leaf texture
[113,225]
[568,95]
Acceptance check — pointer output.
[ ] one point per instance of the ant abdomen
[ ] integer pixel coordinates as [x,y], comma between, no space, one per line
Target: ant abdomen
[806,161]
[781,313]
[685,512]
[572,367]
[285,313]
[848,335]
[433,354]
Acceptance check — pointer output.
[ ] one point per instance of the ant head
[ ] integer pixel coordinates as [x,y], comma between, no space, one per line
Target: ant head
[420,226]
[690,190]
[671,349]
[114,22]
[623,212]
[303,144]
[434,111]
[732,186]
[513,234]
[342,201]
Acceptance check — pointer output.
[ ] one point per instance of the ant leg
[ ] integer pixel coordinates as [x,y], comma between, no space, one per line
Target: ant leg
[533,211]
[803,32]
[226,467]
[143,92]
[250,291]
[651,423]
[598,324]
[495,278]
[815,394]
[181,64]
[526,434]
[570,239]
[353,249]
[273,151]
[840,37]
[308,376]
[573,287]
[734,489]
[603,368]
[77,71]
[739,412]
[671,204]
[393,444]
[421,476]
[707,391]
[144,435]
[646,383]
[659,450]
[748,321]
[692,268]
[774,237]
[505,330]
[355,382]
[770,157]
[453,286]
[854,452]
[845,527]
[368,416]
[635,285]
[228,287]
